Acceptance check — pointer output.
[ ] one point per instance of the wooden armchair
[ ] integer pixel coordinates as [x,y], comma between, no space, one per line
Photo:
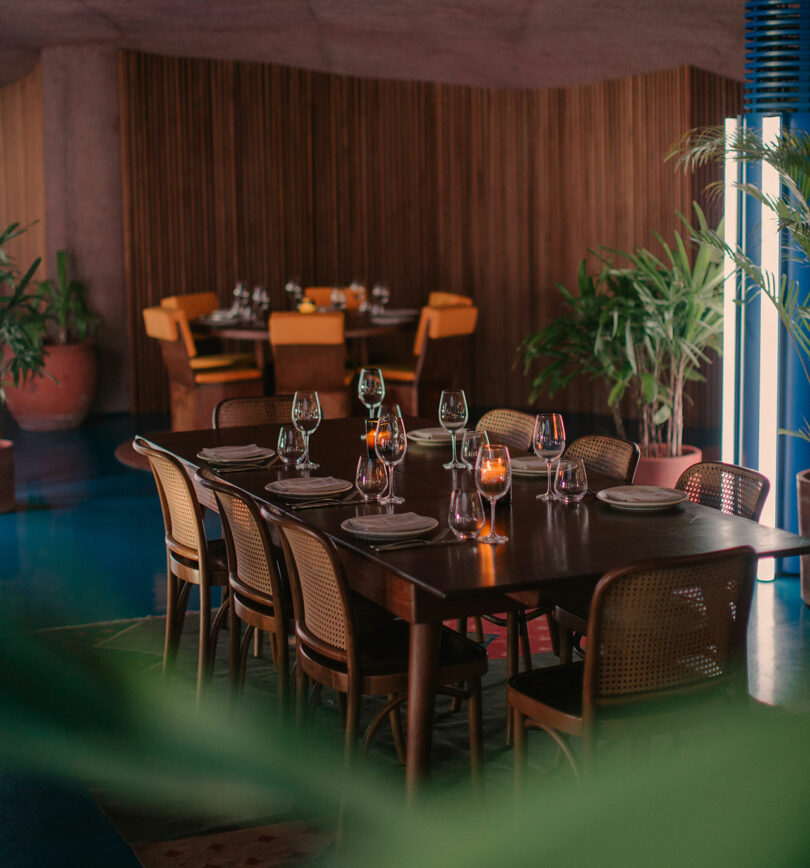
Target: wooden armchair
[197,383]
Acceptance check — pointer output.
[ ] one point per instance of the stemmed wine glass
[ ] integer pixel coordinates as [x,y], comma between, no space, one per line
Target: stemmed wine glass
[453,415]
[371,477]
[390,444]
[306,416]
[371,389]
[493,476]
[548,442]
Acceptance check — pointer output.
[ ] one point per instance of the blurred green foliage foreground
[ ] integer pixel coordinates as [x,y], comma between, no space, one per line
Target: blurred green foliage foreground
[738,797]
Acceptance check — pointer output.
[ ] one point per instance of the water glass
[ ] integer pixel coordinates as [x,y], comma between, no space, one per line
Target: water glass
[548,442]
[290,445]
[371,389]
[570,480]
[471,442]
[391,444]
[306,416]
[453,415]
[465,516]
[371,477]
[493,478]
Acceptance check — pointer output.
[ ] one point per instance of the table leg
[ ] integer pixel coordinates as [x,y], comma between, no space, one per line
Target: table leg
[422,668]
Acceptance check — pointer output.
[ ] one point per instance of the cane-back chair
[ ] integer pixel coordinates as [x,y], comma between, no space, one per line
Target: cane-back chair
[258,410]
[337,647]
[666,639]
[727,487]
[510,427]
[611,456]
[191,559]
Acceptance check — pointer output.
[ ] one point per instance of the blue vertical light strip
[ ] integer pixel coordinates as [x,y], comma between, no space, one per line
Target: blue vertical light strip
[731,321]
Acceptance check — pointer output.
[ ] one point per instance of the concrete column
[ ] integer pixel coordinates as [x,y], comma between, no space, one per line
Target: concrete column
[82,156]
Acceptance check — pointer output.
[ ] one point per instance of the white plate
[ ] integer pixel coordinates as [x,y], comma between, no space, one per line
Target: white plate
[426,526]
[642,498]
[532,467]
[431,437]
[260,453]
[279,487]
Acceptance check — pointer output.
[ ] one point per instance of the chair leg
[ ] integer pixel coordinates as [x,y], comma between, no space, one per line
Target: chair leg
[258,640]
[243,655]
[461,626]
[172,639]
[234,652]
[479,630]
[566,639]
[524,642]
[511,662]
[476,724]
[352,721]
[553,632]
[300,694]
[396,731]
[204,644]
[340,701]
[282,668]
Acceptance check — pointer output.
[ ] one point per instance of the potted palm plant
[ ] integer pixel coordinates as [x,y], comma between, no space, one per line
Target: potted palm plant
[644,327]
[62,398]
[21,350]
[789,155]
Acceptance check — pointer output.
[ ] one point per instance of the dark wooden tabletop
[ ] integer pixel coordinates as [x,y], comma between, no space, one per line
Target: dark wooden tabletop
[559,551]
[358,326]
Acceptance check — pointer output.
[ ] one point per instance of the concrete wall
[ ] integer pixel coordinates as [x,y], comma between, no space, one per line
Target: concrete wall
[82,159]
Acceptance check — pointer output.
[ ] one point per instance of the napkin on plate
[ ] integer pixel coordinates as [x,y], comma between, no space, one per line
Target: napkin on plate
[530,463]
[233,453]
[431,434]
[402,521]
[641,494]
[307,484]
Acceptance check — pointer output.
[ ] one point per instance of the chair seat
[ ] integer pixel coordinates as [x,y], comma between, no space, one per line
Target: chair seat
[227,375]
[558,689]
[222,360]
[403,371]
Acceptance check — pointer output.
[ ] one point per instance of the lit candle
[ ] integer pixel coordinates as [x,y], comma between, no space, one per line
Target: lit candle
[306,306]
[493,473]
[371,433]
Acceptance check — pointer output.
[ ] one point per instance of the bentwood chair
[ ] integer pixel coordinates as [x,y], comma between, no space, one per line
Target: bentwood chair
[727,487]
[191,560]
[197,383]
[510,427]
[259,596]
[439,359]
[309,352]
[258,410]
[611,456]
[667,642]
[337,647]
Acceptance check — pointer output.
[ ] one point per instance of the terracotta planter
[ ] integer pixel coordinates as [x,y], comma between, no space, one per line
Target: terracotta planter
[6,476]
[664,471]
[803,500]
[44,405]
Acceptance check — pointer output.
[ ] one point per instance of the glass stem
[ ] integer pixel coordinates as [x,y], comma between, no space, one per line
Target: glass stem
[492,516]
[453,441]
[391,489]
[306,447]
[548,477]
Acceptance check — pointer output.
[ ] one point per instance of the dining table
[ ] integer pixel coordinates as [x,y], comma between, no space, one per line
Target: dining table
[556,552]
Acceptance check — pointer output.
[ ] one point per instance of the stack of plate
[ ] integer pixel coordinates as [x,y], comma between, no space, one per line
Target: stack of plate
[641,498]
[235,456]
[430,437]
[400,525]
[528,465]
[306,487]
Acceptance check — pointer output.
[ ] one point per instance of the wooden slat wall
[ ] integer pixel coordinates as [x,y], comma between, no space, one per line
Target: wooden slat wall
[262,173]
[22,168]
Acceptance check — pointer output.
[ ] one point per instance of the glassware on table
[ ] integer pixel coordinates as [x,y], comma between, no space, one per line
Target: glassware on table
[493,477]
[294,293]
[548,442]
[570,480]
[371,389]
[290,446]
[391,444]
[241,301]
[337,298]
[381,295]
[471,442]
[465,517]
[306,416]
[371,477]
[453,415]
[261,303]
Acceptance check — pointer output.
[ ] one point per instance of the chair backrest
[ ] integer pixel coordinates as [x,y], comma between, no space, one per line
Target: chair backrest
[182,516]
[661,629]
[324,619]
[289,328]
[170,326]
[444,322]
[448,299]
[251,553]
[510,427]
[727,487]
[609,455]
[260,410]
[193,304]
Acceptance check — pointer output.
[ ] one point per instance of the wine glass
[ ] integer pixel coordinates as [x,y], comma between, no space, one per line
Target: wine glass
[548,442]
[493,476]
[306,416]
[390,444]
[465,517]
[371,477]
[570,480]
[453,415]
[371,389]
[471,442]
[290,446]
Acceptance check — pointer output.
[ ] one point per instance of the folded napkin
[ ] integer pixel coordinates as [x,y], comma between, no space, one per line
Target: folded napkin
[641,494]
[307,484]
[234,453]
[529,462]
[402,521]
[431,434]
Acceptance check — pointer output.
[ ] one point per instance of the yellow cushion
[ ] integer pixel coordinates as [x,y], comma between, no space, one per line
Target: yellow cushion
[227,375]
[193,304]
[448,299]
[288,327]
[223,360]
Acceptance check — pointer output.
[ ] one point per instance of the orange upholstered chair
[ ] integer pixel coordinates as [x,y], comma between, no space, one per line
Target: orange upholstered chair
[197,383]
[448,299]
[439,359]
[309,352]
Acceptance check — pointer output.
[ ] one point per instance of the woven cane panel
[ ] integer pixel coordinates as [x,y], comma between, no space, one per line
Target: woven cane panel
[266,410]
[251,565]
[604,455]
[510,427]
[323,608]
[733,490]
[181,507]
[665,628]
